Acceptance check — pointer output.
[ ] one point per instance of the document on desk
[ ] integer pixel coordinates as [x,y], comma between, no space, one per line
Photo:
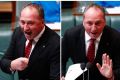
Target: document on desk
[73,72]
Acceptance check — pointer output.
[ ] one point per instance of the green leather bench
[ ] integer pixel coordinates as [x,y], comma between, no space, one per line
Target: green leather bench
[67,20]
[70,20]
[5,37]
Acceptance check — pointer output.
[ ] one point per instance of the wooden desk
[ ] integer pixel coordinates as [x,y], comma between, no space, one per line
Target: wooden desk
[9,7]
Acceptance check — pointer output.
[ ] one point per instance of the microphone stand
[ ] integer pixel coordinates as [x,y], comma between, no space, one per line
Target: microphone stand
[88,74]
[83,67]
[88,65]
[83,75]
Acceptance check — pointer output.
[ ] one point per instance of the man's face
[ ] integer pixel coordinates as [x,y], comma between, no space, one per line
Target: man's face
[94,22]
[30,22]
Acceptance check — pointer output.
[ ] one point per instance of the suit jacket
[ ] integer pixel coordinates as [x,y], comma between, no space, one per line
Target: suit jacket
[44,60]
[73,46]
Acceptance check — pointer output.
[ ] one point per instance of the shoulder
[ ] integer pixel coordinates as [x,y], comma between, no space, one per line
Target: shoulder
[112,34]
[51,32]
[74,31]
[51,35]
[17,31]
[111,31]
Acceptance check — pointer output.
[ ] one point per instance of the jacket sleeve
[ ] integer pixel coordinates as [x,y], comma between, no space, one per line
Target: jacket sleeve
[9,54]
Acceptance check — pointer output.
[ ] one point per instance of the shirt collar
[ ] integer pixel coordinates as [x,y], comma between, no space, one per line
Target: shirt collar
[87,37]
[39,35]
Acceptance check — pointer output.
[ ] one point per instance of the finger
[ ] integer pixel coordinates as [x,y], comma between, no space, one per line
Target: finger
[63,78]
[24,61]
[98,66]
[108,60]
[104,59]
[111,64]
[22,67]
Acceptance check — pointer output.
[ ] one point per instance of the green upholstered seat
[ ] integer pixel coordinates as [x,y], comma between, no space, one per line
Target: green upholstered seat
[115,22]
[67,20]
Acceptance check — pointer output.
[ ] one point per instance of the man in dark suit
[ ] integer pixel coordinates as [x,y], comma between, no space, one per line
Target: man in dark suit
[43,62]
[106,62]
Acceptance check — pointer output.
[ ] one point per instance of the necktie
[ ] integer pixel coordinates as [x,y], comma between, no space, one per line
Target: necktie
[28,48]
[91,51]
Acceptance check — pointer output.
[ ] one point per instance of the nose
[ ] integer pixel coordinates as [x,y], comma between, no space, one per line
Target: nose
[93,28]
[26,27]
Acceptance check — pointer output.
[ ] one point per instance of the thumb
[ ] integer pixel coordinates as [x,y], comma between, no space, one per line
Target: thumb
[24,61]
[98,66]
[62,78]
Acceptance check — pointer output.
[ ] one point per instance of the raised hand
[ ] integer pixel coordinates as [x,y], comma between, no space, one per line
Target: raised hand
[106,68]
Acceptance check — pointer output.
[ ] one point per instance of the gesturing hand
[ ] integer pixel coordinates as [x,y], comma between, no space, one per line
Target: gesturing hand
[19,63]
[106,68]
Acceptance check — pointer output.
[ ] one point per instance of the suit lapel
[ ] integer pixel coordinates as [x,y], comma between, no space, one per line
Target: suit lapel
[40,46]
[83,49]
[103,46]
[21,44]
[81,45]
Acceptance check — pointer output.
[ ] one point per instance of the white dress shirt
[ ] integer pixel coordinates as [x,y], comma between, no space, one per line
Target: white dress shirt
[87,42]
[35,40]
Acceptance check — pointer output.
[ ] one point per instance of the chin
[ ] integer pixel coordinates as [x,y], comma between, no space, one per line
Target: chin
[28,38]
[94,37]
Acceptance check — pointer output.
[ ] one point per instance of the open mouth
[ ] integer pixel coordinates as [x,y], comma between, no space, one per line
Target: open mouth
[93,33]
[28,33]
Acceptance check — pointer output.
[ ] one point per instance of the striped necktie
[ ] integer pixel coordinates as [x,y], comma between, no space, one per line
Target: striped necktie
[28,48]
[91,50]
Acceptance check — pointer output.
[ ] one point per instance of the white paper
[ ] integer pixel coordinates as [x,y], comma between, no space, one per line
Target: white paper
[73,72]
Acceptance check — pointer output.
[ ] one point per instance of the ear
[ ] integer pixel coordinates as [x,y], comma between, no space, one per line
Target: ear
[42,21]
[83,23]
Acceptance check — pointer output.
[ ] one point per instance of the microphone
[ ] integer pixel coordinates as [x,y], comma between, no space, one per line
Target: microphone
[83,65]
[88,65]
